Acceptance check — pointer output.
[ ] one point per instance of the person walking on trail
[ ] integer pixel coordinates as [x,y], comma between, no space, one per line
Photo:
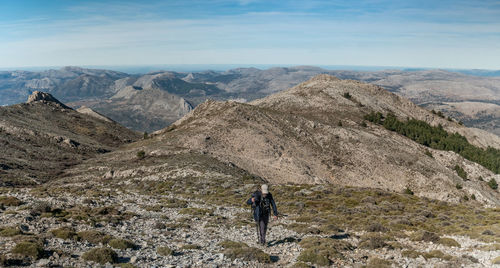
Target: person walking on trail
[261,202]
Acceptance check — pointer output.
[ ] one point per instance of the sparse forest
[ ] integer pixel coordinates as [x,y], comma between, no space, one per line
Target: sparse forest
[438,138]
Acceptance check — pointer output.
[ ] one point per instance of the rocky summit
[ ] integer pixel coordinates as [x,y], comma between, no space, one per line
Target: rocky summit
[361,177]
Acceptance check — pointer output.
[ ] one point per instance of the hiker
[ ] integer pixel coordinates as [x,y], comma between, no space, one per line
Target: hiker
[261,202]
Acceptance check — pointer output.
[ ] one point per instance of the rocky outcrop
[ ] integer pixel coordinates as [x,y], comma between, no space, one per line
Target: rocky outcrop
[39,96]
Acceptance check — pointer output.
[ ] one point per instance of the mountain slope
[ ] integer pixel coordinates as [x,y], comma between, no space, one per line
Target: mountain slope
[295,136]
[42,137]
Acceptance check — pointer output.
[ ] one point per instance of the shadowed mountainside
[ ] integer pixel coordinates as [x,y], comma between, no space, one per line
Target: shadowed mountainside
[42,137]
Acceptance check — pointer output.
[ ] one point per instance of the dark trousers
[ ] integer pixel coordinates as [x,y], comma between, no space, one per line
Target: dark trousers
[262,228]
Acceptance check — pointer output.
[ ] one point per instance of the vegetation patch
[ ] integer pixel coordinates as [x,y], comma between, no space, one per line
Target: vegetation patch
[165,251]
[196,211]
[65,233]
[450,242]
[493,184]
[28,249]
[101,255]
[9,231]
[10,201]
[440,139]
[438,254]
[120,243]
[191,247]
[94,237]
[460,172]
[322,251]
[378,263]
[239,250]
[373,241]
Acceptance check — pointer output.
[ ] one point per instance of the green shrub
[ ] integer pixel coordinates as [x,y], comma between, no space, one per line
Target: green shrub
[9,231]
[314,257]
[165,251]
[196,211]
[321,251]
[428,153]
[191,246]
[141,154]
[347,95]
[301,265]
[460,172]
[339,123]
[437,254]
[120,243]
[425,236]
[101,255]
[374,117]
[493,184]
[458,186]
[408,191]
[65,233]
[372,242]
[411,254]
[239,250]
[94,237]
[28,249]
[378,263]
[450,242]
[10,201]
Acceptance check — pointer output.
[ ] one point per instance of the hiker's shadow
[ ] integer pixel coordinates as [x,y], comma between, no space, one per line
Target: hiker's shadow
[340,236]
[289,239]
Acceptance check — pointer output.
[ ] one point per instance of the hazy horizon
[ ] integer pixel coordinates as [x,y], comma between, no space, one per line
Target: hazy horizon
[418,34]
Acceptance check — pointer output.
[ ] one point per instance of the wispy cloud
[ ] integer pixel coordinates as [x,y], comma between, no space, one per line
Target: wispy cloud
[316,32]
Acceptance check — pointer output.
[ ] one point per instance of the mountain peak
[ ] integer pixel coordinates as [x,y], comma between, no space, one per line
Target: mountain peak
[39,96]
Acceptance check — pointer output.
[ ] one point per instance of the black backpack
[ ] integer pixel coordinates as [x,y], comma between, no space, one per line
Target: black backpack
[265,205]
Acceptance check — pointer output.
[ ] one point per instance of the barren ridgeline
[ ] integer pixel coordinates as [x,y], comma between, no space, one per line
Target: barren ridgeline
[361,176]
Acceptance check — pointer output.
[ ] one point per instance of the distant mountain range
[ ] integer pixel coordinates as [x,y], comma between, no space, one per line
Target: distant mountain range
[152,101]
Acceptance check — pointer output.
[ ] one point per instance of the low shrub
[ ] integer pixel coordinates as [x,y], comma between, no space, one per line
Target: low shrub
[9,231]
[493,184]
[165,251]
[28,249]
[460,172]
[438,254]
[376,227]
[94,237]
[450,242]
[239,250]
[196,211]
[372,242]
[141,154]
[65,233]
[378,263]
[10,201]
[101,255]
[425,236]
[322,251]
[191,246]
[120,243]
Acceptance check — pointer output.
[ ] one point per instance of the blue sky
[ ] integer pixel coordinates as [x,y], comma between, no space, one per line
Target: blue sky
[439,34]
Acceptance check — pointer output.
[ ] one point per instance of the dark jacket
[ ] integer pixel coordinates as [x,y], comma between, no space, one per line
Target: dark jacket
[257,213]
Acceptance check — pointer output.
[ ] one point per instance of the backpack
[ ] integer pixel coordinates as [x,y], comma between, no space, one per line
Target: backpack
[265,205]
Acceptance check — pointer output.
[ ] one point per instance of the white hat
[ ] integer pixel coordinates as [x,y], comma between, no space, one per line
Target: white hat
[264,189]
